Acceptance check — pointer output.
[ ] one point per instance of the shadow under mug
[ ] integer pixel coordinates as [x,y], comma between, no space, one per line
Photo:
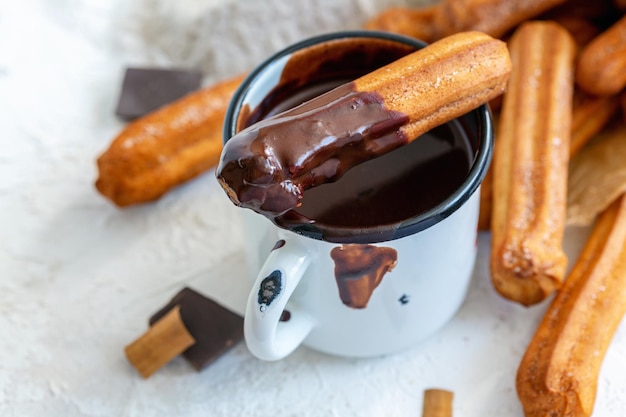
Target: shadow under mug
[346,290]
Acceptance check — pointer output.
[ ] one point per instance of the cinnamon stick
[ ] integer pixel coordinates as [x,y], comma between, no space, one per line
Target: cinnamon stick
[437,403]
[165,340]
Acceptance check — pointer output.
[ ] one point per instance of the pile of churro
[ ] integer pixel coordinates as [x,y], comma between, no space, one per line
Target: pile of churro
[560,158]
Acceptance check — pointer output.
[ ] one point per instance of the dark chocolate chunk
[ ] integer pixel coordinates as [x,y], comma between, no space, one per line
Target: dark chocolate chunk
[146,89]
[215,328]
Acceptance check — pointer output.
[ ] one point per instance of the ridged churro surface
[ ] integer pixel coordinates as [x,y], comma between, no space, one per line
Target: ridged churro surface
[530,165]
[445,80]
[558,375]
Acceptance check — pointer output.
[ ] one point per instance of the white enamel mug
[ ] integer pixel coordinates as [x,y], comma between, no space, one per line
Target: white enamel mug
[356,292]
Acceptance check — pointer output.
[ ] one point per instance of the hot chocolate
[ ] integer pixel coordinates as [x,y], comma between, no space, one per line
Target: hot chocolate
[393,187]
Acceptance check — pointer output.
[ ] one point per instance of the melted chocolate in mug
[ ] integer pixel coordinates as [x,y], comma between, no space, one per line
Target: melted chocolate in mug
[395,186]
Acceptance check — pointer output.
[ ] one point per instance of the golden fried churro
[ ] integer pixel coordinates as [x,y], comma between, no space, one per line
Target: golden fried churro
[558,374]
[417,23]
[494,17]
[166,147]
[601,68]
[530,164]
[590,115]
[267,166]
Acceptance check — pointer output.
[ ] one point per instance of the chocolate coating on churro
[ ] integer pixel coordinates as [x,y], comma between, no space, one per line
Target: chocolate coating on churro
[268,166]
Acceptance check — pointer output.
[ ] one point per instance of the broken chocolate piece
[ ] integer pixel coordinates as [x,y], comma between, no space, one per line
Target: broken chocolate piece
[214,328]
[146,89]
[359,269]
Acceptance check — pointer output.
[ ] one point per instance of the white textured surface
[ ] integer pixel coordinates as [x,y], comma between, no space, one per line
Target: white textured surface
[79,278]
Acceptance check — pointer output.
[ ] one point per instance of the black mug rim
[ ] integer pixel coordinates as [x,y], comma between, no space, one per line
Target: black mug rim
[391,231]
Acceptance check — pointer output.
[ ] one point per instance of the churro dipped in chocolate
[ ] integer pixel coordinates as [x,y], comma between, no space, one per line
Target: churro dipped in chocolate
[558,375]
[530,165]
[267,166]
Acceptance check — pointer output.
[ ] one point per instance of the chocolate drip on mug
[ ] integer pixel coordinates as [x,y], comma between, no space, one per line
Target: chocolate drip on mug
[359,269]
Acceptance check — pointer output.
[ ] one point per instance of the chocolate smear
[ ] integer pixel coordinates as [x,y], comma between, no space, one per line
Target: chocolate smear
[359,269]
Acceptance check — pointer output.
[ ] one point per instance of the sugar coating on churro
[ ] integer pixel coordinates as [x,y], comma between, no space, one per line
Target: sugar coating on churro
[558,374]
[530,165]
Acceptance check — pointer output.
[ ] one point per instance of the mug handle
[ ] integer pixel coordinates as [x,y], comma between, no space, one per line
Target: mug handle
[266,336]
